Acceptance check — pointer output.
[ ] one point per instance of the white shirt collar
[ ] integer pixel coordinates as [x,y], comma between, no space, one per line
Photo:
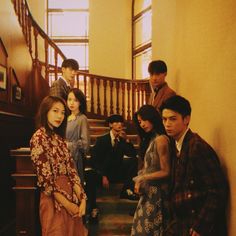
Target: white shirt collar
[179,143]
[112,138]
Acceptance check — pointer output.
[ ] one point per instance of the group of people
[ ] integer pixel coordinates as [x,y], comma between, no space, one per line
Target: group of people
[180,186]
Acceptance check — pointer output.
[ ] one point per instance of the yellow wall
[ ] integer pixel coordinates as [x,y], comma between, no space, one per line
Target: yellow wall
[110,38]
[198,41]
[11,34]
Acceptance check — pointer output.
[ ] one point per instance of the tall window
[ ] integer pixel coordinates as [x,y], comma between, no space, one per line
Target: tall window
[68,26]
[142,36]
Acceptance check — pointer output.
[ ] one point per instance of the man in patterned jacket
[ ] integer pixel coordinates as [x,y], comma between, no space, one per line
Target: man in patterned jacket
[61,87]
[199,188]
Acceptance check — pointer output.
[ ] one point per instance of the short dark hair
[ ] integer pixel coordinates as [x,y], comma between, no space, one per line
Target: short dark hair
[81,98]
[71,63]
[42,115]
[115,118]
[178,104]
[157,67]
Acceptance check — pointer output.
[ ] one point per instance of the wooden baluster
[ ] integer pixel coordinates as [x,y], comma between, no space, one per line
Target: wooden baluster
[30,39]
[23,16]
[133,98]
[77,80]
[36,43]
[98,96]
[147,91]
[123,99]
[56,62]
[138,91]
[128,107]
[85,85]
[46,60]
[105,97]
[19,11]
[142,94]
[117,97]
[111,96]
[92,96]
[14,3]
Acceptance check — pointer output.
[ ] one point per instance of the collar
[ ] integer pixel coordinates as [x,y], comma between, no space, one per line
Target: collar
[179,143]
[160,87]
[67,84]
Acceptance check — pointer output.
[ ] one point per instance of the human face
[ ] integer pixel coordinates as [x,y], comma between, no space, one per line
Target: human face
[73,103]
[175,124]
[68,74]
[116,127]
[146,125]
[156,80]
[56,115]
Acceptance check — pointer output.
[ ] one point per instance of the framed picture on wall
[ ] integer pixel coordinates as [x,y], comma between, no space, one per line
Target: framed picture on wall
[3,77]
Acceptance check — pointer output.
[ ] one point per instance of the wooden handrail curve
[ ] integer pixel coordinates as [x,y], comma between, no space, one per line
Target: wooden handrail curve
[105,95]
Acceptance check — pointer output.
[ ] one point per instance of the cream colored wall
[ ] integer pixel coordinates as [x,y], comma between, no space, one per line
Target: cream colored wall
[37,8]
[197,40]
[14,42]
[110,38]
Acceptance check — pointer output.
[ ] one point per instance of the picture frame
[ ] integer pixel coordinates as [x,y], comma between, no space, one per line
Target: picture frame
[3,77]
[17,92]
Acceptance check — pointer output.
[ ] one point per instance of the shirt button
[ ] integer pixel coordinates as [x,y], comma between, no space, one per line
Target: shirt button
[193,211]
[191,181]
[189,195]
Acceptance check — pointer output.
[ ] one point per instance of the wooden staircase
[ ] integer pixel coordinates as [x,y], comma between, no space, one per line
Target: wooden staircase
[27,221]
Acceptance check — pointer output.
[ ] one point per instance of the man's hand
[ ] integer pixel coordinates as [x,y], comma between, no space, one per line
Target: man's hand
[122,134]
[193,233]
[105,182]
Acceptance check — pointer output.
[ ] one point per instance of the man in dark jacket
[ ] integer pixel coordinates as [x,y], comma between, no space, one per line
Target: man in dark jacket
[113,157]
[160,89]
[199,187]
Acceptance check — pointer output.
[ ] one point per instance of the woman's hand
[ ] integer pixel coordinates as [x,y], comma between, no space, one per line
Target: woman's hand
[72,209]
[137,187]
[82,207]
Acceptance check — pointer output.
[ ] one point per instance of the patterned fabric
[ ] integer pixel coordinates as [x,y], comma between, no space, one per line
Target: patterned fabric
[152,213]
[156,99]
[199,191]
[59,88]
[77,135]
[51,159]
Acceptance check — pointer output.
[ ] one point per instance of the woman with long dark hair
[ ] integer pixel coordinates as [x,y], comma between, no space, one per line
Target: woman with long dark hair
[62,198]
[151,216]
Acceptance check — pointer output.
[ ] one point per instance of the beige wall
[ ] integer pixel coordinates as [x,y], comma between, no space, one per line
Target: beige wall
[110,38]
[197,39]
[11,34]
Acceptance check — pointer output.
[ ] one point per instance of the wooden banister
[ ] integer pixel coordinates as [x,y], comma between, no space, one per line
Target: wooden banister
[105,95]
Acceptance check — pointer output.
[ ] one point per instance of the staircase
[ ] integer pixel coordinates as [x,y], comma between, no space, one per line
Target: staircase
[114,218]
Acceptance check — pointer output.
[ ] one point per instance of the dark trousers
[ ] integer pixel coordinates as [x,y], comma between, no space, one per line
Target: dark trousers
[119,174]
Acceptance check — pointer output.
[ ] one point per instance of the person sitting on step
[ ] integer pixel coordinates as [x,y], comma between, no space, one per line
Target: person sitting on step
[113,158]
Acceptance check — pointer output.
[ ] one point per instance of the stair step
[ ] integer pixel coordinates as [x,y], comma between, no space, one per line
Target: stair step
[99,130]
[97,122]
[132,137]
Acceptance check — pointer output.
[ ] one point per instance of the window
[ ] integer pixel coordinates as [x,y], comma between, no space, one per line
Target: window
[68,26]
[142,35]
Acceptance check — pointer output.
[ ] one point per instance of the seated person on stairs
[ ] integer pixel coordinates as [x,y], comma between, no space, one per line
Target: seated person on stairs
[114,160]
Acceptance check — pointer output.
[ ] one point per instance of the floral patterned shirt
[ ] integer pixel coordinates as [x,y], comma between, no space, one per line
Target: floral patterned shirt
[51,159]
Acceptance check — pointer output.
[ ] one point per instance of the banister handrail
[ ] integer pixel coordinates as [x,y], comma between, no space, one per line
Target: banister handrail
[105,95]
